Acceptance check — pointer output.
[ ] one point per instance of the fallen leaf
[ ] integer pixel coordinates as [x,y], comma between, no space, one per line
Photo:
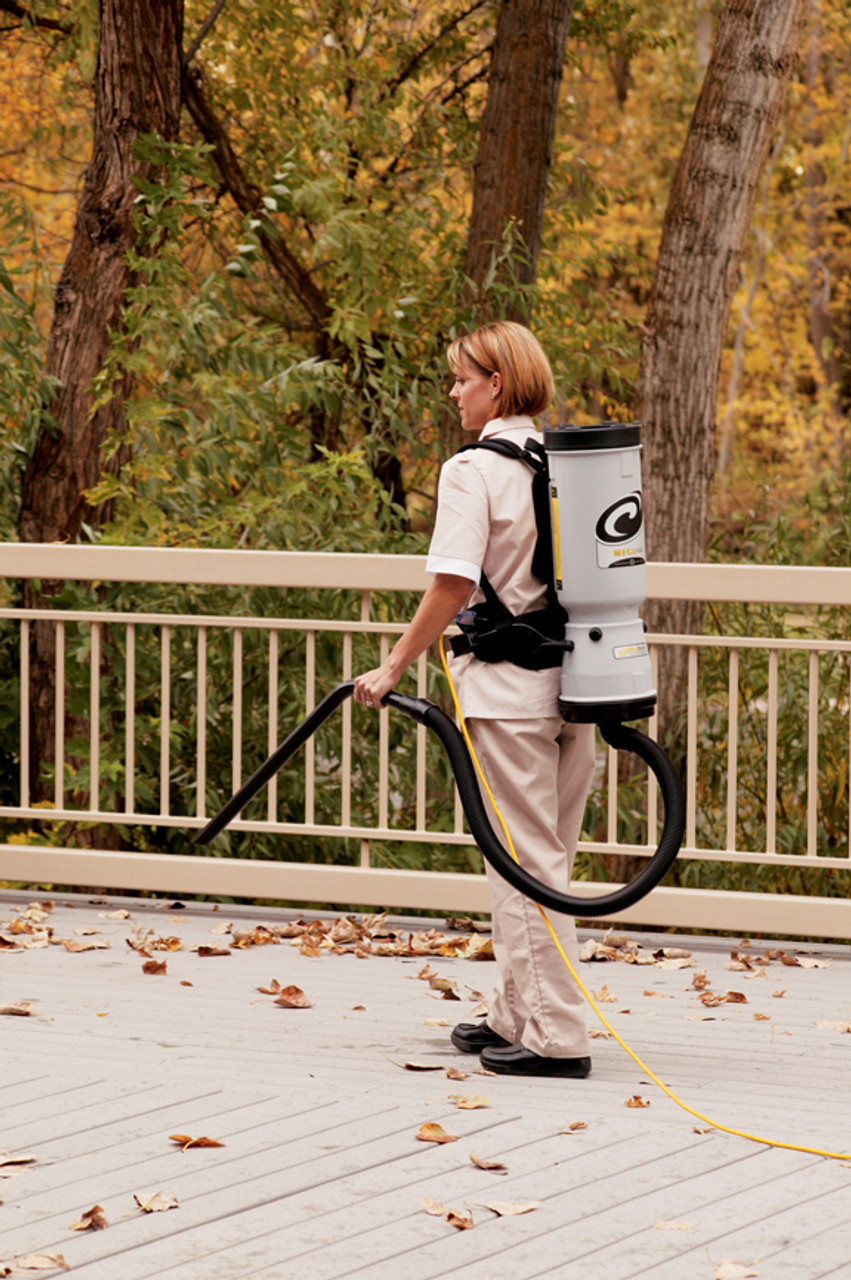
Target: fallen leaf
[41,1262]
[595,1034]
[423,1066]
[778,995]
[292,997]
[437,1022]
[74,945]
[636,1101]
[663,995]
[700,981]
[727,1269]
[186,1142]
[453,1073]
[673,1226]
[835,1026]
[604,996]
[492,1166]
[455,1217]
[736,997]
[807,962]
[157,1203]
[765,1017]
[93,1218]
[273,988]
[184,983]
[509,1209]
[574,1127]
[711,998]
[671,953]
[121,914]
[675,962]
[23,1009]
[212,951]
[469,1101]
[359,1008]
[695,1129]
[434,1133]
[154,966]
[10,1165]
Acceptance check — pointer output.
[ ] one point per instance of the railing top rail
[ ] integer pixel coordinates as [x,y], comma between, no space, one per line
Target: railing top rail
[782,584]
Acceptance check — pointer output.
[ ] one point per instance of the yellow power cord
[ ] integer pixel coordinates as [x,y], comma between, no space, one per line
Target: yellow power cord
[738,1133]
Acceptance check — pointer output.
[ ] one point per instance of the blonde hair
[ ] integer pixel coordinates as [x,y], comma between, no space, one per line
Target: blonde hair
[510,350]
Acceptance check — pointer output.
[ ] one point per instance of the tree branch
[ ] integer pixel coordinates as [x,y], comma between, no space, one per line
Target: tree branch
[205,26]
[248,198]
[21,12]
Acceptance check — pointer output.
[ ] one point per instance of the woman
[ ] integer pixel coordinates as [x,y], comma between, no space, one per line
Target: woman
[538,767]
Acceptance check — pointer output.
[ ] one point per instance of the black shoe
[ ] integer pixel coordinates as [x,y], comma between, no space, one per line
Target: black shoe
[515,1060]
[473,1037]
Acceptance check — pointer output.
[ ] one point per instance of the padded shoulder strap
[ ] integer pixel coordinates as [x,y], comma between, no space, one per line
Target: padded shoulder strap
[535,457]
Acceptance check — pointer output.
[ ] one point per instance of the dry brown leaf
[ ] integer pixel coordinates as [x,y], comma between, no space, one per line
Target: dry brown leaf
[700,981]
[205,950]
[93,1218]
[23,1009]
[662,995]
[574,1127]
[185,983]
[469,1101]
[423,1066]
[292,997]
[40,1262]
[492,1166]
[121,914]
[273,988]
[636,1101]
[509,1209]
[695,1129]
[74,944]
[762,1017]
[807,962]
[604,996]
[727,1269]
[675,962]
[736,997]
[10,1165]
[437,1022]
[778,995]
[159,1202]
[454,1073]
[711,998]
[455,1217]
[186,1142]
[671,953]
[426,973]
[434,1132]
[154,966]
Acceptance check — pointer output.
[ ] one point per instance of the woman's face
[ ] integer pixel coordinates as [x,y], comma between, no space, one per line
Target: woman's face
[476,394]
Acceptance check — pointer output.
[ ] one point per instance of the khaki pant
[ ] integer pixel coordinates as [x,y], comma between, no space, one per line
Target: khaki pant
[539,772]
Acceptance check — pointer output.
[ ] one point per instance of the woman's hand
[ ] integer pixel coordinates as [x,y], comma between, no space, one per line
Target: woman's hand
[371,687]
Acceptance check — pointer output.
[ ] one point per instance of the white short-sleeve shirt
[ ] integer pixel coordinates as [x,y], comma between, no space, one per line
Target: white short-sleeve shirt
[486,523]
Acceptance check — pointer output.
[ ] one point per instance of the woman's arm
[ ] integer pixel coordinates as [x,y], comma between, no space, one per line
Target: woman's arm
[439,605]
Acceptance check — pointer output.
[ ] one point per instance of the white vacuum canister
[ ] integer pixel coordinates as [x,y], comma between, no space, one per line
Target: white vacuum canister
[600,570]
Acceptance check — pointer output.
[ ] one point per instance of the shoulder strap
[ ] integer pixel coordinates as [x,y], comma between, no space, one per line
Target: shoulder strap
[535,457]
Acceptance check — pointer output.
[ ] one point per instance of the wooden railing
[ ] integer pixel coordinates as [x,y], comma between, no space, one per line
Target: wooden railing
[129,685]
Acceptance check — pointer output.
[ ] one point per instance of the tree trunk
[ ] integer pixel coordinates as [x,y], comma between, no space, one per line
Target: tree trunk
[137,91]
[513,161]
[704,232]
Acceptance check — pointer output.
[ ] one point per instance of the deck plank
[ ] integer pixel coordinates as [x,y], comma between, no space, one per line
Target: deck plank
[321,1172]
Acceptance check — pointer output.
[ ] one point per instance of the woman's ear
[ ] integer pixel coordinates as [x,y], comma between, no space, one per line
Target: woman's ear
[496,385]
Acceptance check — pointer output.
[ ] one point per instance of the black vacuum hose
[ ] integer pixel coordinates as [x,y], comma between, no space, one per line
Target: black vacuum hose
[621,737]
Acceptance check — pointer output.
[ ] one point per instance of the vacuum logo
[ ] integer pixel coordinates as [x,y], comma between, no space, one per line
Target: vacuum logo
[621,521]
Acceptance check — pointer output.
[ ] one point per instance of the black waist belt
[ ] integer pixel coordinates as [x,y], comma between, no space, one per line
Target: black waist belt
[534,641]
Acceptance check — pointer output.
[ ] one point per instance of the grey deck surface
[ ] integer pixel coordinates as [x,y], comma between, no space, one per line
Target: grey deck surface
[321,1175]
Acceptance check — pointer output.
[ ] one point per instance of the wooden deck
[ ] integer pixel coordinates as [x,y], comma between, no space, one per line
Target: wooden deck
[321,1174]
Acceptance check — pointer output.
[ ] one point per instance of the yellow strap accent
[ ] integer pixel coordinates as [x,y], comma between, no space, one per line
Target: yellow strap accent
[738,1133]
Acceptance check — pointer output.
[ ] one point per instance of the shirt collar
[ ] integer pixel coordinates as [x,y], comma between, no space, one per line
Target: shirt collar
[514,422]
